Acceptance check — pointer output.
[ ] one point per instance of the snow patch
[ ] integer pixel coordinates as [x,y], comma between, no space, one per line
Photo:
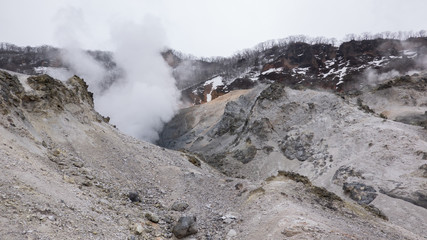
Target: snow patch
[409,53]
[329,63]
[301,71]
[271,70]
[362,66]
[325,75]
[378,63]
[216,82]
[340,72]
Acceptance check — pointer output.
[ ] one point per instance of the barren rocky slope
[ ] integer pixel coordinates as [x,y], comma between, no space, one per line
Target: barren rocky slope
[343,142]
[68,174]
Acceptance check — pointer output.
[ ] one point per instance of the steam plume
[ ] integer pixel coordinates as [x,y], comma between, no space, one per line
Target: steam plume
[145,97]
[373,78]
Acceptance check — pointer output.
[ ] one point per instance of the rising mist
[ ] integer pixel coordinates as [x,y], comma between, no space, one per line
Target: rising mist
[145,96]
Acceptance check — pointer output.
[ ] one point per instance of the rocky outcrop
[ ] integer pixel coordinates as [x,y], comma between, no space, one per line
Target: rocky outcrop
[302,148]
[52,94]
[44,93]
[360,192]
[11,92]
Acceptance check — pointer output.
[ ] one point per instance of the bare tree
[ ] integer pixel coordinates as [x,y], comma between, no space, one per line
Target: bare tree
[350,37]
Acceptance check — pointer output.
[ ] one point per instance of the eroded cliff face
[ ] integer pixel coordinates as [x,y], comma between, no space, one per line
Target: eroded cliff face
[68,174]
[361,146]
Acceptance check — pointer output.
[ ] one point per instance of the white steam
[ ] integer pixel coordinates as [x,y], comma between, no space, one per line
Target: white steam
[372,77]
[70,29]
[422,62]
[84,65]
[145,97]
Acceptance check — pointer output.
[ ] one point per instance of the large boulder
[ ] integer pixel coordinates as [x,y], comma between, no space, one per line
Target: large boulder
[186,226]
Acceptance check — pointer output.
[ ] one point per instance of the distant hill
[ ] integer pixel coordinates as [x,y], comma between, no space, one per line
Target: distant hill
[295,61]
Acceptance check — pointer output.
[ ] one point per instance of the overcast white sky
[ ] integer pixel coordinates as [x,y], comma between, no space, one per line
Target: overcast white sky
[210,28]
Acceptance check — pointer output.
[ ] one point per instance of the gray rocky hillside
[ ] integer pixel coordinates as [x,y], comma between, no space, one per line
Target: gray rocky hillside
[68,174]
[368,148]
[294,139]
